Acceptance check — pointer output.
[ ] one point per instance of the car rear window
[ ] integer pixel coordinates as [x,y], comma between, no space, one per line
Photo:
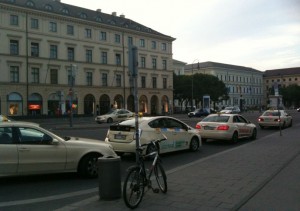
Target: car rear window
[216,119]
[120,128]
[273,113]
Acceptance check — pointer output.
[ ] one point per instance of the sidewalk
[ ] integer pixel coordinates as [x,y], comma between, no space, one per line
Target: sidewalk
[261,175]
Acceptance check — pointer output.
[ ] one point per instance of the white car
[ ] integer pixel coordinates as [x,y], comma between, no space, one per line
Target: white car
[275,118]
[231,110]
[115,115]
[26,148]
[4,118]
[231,127]
[179,135]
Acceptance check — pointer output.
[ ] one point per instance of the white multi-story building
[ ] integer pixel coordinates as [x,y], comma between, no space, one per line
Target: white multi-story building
[54,56]
[243,83]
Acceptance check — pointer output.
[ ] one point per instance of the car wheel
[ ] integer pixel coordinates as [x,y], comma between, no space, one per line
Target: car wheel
[194,144]
[254,134]
[109,120]
[291,124]
[234,138]
[88,166]
[283,125]
[120,153]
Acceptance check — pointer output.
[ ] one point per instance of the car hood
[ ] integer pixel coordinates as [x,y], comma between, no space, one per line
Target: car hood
[84,140]
[97,145]
[225,111]
[105,116]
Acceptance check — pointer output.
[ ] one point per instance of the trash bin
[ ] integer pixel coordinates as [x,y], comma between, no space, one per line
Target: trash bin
[109,176]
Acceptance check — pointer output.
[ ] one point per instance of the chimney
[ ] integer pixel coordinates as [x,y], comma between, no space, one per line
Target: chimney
[114,13]
[98,10]
[122,16]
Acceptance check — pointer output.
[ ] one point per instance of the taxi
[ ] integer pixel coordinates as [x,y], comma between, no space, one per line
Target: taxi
[114,115]
[179,135]
[230,127]
[28,149]
[275,118]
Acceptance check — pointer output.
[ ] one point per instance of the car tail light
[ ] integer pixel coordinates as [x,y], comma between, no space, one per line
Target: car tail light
[223,127]
[260,119]
[198,126]
[277,120]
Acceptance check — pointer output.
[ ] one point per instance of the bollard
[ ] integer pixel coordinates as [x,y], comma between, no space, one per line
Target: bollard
[109,177]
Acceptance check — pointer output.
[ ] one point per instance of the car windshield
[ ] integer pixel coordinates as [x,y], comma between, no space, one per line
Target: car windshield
[271,113]
[111,111]
[216,119]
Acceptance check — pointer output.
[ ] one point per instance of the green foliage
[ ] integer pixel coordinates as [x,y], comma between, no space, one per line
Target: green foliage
[291,95]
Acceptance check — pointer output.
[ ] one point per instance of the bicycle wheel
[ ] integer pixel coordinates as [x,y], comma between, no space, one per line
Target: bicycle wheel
[133,188]
[161,177]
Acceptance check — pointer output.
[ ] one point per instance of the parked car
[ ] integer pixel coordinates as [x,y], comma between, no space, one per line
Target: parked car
[201,112]
[231,110]
[26,148]
[115,115]
[179,135]
[275,118]
[231,127]
[4,118]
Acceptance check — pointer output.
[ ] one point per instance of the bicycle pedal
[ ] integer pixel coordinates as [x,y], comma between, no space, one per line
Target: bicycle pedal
[155,190]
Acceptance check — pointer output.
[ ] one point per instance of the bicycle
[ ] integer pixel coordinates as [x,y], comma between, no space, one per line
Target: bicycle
[137,177]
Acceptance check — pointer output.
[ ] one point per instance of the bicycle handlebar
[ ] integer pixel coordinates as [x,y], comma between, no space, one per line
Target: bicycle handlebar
[155,141]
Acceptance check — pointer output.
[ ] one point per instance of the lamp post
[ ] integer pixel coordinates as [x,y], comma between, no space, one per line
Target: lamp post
[71,91]
[193,82]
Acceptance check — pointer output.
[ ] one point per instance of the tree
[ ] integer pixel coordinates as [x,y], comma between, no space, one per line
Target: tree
[186,87]
[291,95]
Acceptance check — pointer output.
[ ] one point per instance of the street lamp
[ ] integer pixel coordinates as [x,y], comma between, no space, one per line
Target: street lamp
[71,91]
[193,82]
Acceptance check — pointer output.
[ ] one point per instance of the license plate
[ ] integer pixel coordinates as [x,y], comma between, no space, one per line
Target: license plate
[119,136]
[208,128]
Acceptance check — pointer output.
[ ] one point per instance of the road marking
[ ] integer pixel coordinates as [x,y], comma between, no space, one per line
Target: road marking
[48,198]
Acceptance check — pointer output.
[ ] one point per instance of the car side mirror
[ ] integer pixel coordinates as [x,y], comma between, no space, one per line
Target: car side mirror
[55,142]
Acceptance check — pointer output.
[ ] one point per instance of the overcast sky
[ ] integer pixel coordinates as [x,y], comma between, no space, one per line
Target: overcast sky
[262,34]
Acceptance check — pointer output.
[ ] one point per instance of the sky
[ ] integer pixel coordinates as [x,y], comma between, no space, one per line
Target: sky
[261,34]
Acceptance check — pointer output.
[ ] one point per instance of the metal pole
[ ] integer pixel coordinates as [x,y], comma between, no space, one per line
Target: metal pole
[72,93]
[134,71]
[192,87]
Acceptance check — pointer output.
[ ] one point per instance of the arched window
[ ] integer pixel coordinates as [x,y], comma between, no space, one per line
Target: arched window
[30,4]
[65,11]
[48,7]
[83,15]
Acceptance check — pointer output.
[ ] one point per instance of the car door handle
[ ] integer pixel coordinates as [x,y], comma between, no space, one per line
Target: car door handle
[24,149]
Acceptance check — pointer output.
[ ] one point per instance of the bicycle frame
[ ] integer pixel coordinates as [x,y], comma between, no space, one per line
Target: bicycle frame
[138,177]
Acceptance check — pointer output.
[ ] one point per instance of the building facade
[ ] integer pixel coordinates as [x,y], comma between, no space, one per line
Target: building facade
[56,56]
[178,67]
[280,78]
[243,83]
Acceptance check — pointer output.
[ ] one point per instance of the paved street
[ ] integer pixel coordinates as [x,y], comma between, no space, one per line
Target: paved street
[255,176]
[260,175]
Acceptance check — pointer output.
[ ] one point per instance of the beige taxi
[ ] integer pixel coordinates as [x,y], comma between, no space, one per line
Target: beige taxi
[179,135]
[26,148]
[114,115]
[275,118]
[230,127]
